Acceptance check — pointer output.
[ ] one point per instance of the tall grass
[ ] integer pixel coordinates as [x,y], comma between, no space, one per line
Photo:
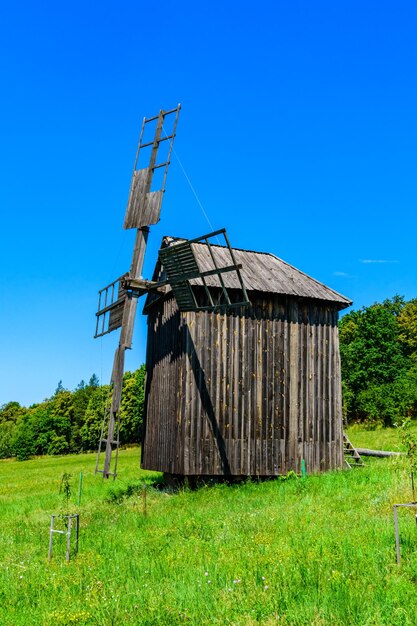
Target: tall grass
[316,551]
[377,438]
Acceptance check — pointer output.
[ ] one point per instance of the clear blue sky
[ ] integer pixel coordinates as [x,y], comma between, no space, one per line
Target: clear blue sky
[298,132]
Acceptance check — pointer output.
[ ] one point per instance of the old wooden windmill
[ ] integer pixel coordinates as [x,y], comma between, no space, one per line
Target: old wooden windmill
[183,273]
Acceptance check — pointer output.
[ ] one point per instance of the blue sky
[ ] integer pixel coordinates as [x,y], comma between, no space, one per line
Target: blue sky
[298,132]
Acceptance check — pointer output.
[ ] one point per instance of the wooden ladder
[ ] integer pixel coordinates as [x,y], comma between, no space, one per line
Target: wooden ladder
[352,456]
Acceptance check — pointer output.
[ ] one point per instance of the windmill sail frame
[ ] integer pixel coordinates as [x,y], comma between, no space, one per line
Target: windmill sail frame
[195,288]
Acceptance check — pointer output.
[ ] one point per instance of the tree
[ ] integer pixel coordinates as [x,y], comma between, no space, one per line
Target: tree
[22,444]
[93,417]
[70,421]
[59,387]
[94,381]
[11,412]
[407,323]
[132,406]
[80,401]
[374,366]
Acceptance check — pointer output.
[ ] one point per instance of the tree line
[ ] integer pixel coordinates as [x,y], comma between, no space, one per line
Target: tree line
[378,347]
[70,421]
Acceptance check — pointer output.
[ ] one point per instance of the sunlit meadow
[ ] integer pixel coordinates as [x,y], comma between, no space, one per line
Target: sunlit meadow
[315,551]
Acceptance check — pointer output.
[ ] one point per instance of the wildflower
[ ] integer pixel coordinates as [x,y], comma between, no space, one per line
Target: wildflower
[205,573]
[209,581]
[266,587]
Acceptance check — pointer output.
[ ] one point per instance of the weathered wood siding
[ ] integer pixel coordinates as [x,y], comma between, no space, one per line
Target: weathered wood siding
[244,395]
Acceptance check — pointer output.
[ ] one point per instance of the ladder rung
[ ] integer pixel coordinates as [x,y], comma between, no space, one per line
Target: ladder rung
[151,143]
[349,451]
[164,114]
[108,473]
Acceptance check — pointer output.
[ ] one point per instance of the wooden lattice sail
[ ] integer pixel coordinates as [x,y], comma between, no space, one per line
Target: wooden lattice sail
[116,308]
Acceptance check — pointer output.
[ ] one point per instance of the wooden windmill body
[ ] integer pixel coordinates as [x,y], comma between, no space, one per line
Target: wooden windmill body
[243,365]
[251,391]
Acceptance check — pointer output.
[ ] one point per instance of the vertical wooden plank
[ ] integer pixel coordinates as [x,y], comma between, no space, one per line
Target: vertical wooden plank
[205,360]
[318,401]
[193,394]
[234,385]
[293,389]
[242,324]
[258,404]
[231,376]
[286,390]
[225,424]
[216,377]
[310,375]
[324,391]
[187,399]
[330,412]
[250,378]
[338,400]
[301,384]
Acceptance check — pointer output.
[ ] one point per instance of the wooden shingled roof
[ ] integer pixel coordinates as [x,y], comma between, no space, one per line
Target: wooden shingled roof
[261,271]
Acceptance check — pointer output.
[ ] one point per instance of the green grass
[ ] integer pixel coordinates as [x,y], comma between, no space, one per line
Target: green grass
[319,551]
[377,438]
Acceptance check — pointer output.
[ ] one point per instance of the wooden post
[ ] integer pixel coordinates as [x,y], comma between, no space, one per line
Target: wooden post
[294,408]
[80,488]
[143,210]
[51,534]
[145,512]
[68,550]
[124,344]
[77,532]
[397,532]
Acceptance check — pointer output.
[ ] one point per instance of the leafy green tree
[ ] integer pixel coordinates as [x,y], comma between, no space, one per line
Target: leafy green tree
[6,434]
[409,441]
[59,388]
[10,413]
[370,348]
[132,405]
[22,444]
[58,444]
[93,418]
[70,421]
[45,428]
[94,381]
[407,322]
[374,366]
[80,401]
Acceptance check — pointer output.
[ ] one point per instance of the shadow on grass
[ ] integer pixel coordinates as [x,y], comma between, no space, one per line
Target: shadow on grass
[169,483]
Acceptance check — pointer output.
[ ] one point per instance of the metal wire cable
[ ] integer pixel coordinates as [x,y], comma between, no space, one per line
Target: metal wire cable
[187,178]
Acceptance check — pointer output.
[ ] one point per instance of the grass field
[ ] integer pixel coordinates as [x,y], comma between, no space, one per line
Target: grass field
[316,551]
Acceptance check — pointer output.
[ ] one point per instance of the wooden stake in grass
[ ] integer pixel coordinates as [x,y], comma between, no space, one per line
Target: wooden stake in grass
[80,488]
[145,512]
